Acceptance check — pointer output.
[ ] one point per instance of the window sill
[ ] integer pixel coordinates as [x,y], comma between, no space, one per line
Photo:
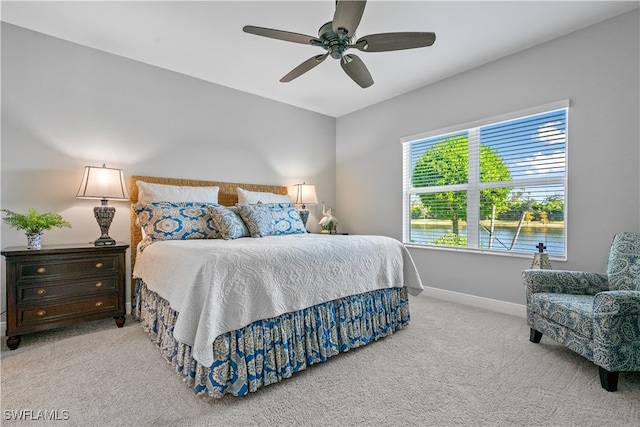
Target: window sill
[559,258]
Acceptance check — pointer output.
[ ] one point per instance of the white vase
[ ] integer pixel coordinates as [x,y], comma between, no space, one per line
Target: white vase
[34,240]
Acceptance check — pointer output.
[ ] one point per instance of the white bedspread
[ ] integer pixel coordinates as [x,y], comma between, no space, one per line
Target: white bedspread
[221,285]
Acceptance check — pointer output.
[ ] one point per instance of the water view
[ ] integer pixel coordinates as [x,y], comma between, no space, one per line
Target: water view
[552,236]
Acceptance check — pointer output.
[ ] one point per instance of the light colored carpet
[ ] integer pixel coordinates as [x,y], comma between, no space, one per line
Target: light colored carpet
[453,365]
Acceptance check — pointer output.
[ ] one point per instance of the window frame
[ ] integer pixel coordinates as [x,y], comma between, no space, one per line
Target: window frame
[474,185]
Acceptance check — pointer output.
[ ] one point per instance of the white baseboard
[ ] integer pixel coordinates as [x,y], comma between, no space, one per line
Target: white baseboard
[476,301]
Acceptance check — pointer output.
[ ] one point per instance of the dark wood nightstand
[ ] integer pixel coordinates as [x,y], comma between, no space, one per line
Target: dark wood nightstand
[63,285]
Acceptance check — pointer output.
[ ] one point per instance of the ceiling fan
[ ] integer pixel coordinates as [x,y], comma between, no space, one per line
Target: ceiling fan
[338,36]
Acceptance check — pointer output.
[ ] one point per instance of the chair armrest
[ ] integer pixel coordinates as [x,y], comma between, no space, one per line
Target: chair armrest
[565,281]
[617,303]
[616,330]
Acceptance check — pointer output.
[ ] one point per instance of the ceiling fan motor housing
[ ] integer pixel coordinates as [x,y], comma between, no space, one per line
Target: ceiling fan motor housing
[335,43]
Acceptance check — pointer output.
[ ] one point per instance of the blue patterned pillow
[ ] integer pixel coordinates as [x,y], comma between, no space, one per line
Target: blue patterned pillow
[175,221]
[287,218]
[271,219]
[258,219]
[228,222]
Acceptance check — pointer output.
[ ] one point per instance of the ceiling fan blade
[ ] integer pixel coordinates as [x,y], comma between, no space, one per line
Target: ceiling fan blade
[304,67]
[394,41]
[347,15]
[281,35]
[355,68]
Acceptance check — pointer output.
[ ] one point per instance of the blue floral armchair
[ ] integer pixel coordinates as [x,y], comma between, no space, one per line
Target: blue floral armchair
[596,315]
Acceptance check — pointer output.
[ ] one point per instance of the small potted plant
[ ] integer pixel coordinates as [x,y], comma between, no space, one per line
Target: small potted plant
[34,224]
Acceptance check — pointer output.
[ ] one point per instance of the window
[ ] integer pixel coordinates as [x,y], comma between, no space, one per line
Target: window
[497,185]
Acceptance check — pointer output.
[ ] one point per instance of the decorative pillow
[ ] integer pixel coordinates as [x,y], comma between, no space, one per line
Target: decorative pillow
[149,193]
[258,219]
[271,219]
[246,197]
[175,221]
[228,222]
[287,218]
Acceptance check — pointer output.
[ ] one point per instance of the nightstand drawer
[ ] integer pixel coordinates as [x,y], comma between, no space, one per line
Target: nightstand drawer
[63,311]
[66,289]
[43,270]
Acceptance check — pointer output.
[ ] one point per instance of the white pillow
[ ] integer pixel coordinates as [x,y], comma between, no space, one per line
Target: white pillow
[149,193]
[246,197]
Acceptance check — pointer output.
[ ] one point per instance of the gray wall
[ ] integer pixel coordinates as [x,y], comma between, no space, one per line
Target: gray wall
[597,69]
[65,106]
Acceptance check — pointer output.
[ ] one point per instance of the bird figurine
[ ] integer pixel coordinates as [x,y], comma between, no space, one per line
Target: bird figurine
[328,222]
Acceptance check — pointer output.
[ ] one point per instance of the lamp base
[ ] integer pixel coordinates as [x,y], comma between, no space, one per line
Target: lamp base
[104,242]
[104,215]
[304,216]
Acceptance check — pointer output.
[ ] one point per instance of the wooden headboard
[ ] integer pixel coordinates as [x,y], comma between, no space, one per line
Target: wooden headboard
[227,196]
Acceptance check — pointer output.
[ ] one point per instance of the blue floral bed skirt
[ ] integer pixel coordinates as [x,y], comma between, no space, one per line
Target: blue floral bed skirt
[267,351]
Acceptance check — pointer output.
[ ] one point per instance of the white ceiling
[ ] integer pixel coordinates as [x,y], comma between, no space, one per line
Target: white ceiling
[204,39]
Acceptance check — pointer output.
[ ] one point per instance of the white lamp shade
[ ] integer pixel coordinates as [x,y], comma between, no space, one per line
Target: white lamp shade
[305,194]
[102,183]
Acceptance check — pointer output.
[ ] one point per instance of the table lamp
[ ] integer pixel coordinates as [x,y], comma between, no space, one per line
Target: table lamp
[103,183]
[305,195]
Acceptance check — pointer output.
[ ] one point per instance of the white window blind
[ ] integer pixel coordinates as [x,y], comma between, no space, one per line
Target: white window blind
[494,185]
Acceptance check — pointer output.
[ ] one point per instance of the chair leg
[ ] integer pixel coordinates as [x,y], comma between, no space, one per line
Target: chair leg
[608,380]
[535,336]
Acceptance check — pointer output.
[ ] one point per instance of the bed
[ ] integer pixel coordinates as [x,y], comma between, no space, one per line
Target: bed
[233,313]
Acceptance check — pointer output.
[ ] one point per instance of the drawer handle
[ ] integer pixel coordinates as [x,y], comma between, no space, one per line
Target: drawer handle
[41,313]
[41,270]
[41,292]
[99,304]
[98,284]
[99,265]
